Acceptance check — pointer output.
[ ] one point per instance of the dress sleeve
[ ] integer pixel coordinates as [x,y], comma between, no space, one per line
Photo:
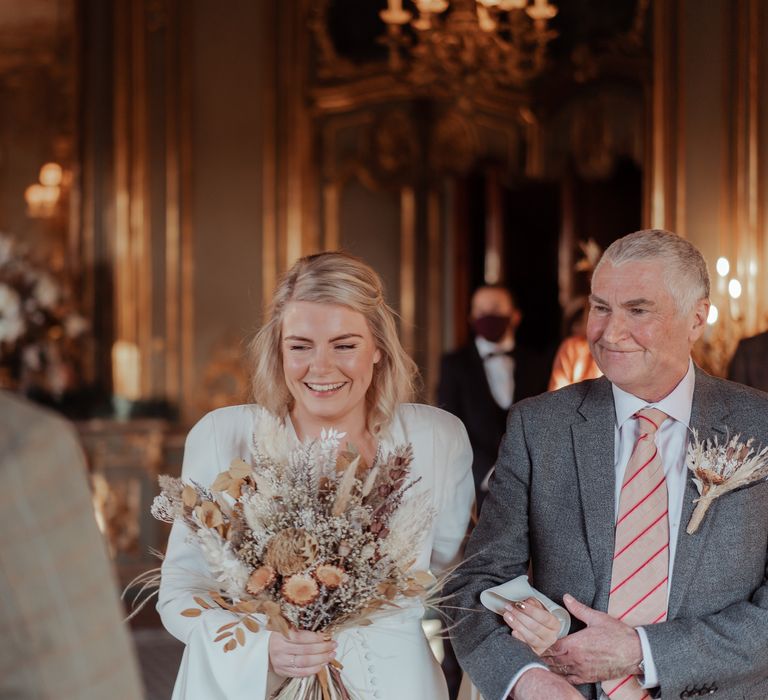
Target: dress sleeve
[458,494]
[206,671]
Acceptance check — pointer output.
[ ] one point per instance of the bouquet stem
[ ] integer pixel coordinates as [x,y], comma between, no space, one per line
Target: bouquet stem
[698,515]
[326,685]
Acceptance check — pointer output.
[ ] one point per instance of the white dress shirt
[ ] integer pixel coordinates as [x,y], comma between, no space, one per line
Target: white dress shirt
[499,369]
[672,442]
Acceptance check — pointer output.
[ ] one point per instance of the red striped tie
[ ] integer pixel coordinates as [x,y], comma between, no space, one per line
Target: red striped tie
[641,554]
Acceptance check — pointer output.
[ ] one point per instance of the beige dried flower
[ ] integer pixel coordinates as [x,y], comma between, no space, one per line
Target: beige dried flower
[261,579]
[209,514]
[189,496]
[330,576]
[290,551]
[232,480]
[300,590]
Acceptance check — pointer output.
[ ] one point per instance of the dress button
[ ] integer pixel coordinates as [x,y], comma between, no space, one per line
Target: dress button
[372,680]
[367,655]
[371,669]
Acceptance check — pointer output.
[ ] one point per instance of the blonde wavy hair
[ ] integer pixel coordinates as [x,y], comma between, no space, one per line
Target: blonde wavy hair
[334,278]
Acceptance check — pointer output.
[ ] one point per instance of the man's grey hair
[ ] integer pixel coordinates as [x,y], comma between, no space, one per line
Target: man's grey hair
[685,270]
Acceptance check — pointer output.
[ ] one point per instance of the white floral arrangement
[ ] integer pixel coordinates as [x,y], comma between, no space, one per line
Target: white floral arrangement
[305,536]
[39,326]
[719,468]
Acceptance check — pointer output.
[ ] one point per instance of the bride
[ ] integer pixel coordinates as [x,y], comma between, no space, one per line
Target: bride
[327,356]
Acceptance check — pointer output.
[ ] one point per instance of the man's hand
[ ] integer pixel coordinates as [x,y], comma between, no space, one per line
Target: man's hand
[536,683]
[606,649]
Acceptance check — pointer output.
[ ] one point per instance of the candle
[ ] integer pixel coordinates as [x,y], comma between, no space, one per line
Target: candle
[126,370]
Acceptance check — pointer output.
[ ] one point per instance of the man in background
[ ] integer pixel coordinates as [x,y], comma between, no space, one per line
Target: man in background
[481,380]
[749,364]
[61,628]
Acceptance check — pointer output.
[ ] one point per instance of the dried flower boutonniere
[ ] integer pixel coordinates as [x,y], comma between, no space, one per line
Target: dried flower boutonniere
[720,468]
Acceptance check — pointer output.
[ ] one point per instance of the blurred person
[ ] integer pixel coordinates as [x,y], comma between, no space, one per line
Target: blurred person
[481,380]
[749,364]
[61,628]
[573,360]
[327,356]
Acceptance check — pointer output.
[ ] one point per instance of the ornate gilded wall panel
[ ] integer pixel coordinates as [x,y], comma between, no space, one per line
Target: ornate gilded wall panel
[714,179]
[152,253]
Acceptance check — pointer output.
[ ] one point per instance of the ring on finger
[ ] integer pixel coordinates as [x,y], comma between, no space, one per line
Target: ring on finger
[293,662]
[564,669]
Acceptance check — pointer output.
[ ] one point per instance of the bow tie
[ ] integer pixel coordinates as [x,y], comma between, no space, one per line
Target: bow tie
[499,353]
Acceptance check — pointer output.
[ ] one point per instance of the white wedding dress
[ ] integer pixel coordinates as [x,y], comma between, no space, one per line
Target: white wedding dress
[390,659]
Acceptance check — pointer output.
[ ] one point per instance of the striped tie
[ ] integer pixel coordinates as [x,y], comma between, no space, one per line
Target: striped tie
[638,593]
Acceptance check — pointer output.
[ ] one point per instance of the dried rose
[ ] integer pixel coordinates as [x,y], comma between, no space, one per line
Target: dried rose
[290,551]
[260,579]
[300,589]
[330,576]
[709,477]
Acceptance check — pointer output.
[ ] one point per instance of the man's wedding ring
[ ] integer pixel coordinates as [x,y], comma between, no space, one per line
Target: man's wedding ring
[293,662]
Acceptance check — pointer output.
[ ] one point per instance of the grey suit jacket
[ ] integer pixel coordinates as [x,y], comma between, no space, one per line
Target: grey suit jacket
[552,502]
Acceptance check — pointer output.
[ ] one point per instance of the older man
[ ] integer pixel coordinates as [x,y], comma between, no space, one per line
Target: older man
[592,489]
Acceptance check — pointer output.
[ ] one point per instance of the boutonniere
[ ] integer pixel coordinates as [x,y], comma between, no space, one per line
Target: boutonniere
[720,468]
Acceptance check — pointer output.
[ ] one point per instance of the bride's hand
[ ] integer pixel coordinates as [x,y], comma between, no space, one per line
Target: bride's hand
[532,624]
[300,653]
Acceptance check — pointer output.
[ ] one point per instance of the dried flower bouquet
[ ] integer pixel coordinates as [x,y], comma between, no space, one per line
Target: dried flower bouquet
[306,536]
[720,468]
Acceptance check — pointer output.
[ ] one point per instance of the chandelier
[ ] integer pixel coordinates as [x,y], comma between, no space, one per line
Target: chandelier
[468,44]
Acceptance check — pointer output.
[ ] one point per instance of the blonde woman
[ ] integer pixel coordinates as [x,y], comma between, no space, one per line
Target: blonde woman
[328,356]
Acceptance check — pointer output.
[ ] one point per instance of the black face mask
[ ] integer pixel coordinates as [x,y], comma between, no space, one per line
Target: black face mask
[491,327]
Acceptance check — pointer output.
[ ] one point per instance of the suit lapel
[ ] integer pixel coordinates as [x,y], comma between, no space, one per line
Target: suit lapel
[593,444]
[708,415]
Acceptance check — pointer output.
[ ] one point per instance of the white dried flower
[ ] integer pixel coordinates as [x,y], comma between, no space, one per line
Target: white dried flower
[223,563]
[272,438]
[165,509]
[407,527]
